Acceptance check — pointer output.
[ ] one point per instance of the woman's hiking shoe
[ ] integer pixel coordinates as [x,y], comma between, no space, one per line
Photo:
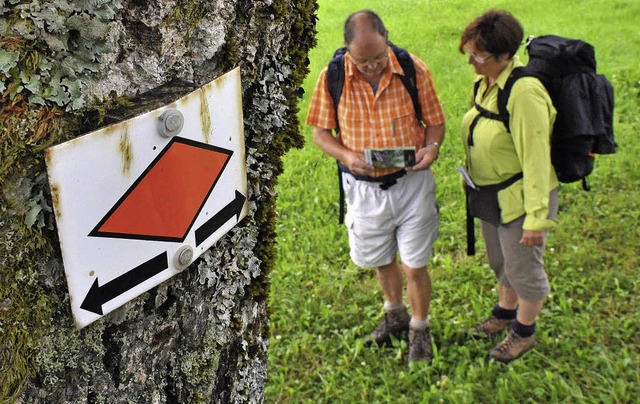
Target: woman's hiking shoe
[420,345]
[394,323]
[490,326]
[512,347]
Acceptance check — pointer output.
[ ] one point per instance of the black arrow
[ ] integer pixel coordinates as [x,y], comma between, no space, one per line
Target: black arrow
[232,209]
[99,295]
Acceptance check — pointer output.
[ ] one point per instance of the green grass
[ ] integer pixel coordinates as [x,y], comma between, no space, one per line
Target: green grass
[588,344]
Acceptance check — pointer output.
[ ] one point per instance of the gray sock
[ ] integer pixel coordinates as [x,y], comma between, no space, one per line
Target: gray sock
[418,324]
[392,307]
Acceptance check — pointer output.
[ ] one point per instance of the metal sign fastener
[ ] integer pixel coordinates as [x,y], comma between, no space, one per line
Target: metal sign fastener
[171,122]
[183,257]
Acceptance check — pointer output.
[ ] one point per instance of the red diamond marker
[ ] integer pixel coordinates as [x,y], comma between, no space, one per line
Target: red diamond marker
[165,200]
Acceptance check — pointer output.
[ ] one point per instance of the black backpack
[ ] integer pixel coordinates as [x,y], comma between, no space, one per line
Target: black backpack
[335,82]
[583,99]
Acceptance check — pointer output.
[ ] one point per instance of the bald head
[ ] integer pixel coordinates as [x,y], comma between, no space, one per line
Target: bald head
[366,40]
[363,23]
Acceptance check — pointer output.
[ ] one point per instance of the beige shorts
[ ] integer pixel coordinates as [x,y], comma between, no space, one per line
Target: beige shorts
[401,219]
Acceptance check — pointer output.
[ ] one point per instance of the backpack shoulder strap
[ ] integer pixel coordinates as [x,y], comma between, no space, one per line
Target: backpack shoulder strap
[502,115]
[476,86]
[409,78]
[335,79]
[503,97]
[335,82]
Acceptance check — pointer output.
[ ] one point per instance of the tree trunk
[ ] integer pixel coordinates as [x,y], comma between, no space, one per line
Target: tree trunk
[201,336]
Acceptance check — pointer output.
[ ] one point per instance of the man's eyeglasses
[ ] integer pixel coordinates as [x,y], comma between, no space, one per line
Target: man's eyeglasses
[478,59]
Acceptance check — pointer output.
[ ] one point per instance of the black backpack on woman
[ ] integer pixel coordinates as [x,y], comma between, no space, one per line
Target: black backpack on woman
[583,99]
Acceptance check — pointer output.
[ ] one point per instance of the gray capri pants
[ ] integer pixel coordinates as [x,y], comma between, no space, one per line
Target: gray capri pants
[518,266]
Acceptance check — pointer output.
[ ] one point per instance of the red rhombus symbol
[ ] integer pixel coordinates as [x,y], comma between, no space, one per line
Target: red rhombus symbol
[163,203]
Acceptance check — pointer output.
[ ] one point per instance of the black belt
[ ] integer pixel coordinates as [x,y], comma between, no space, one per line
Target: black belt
[385,181]
[502,185]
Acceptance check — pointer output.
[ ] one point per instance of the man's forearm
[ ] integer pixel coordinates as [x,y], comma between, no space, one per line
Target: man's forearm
[329,144]
[332,146]
[434,134]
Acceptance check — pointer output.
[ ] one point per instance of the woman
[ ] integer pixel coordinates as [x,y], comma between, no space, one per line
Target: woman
[517,162]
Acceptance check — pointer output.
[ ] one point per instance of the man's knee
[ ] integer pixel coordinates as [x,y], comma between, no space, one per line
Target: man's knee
[415,273]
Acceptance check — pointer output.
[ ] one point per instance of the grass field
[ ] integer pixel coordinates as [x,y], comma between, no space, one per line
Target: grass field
[588,334]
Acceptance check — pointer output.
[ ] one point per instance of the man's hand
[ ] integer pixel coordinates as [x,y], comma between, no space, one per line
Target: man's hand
[433,137]
[425,157]
[356,163]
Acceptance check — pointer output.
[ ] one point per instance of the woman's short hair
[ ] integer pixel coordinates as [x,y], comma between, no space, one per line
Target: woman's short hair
[351,24]
[495,31]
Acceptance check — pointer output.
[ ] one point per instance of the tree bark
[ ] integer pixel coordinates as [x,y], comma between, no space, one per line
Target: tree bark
[66,65]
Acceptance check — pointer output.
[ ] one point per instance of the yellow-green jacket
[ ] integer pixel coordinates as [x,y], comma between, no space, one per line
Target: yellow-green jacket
[497,155]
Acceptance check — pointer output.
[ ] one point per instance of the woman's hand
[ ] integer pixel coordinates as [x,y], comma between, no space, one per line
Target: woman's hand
[532,238]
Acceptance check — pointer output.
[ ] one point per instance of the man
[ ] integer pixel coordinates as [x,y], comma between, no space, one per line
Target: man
[389,210]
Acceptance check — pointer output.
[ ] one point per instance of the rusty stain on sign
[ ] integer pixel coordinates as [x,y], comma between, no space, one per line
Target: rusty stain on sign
[55,197]
[125,151]
[205,117]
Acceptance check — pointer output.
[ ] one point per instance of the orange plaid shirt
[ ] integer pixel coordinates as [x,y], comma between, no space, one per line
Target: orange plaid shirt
[383,119]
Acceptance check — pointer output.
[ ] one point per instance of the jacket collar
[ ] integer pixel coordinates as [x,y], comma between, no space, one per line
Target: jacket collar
[504,75]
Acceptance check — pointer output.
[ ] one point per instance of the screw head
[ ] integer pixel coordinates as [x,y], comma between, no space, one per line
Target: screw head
[183,257]
[171,122]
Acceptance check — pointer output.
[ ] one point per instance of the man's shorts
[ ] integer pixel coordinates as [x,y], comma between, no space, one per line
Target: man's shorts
[401,219]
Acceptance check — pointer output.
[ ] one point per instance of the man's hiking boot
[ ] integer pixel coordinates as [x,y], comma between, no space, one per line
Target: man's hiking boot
[512,347]
[394,323]
[420,345]
[490,327]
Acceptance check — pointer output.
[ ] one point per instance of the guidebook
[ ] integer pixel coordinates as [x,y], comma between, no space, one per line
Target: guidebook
[391,157]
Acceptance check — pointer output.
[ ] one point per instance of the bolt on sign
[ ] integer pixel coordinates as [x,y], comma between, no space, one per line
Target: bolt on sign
[138,201]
